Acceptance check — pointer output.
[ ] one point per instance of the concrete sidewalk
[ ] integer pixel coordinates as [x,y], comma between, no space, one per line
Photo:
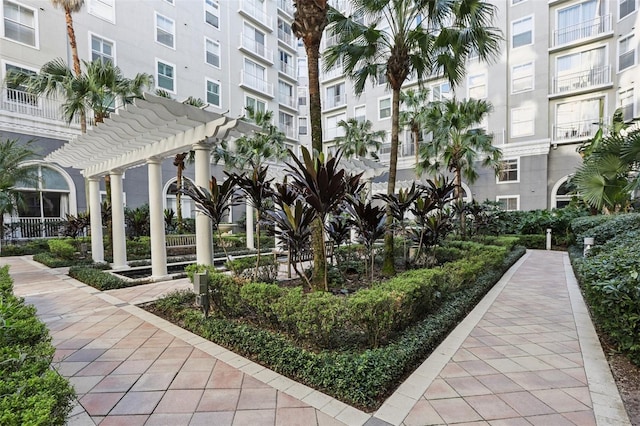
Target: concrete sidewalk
[528,354]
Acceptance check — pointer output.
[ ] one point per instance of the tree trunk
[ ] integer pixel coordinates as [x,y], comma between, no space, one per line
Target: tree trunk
[388,267]
[76,59]
[179,163]
[460,199]
[416,147]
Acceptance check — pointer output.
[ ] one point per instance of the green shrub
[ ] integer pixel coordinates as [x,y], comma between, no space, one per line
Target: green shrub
[63,249]
[32,393]
[373,311]
[25,248]
[583,225]
[245,267]
[224,290]
[97,278]
[603,230]
[139,248]
[532,241]
[55,262]
[260,299]
[320,318]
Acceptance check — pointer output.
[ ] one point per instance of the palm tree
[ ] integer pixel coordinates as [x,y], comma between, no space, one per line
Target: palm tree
[413,116]
[458,142]
[358,139]
[12,155]
[73,6]
[410,38]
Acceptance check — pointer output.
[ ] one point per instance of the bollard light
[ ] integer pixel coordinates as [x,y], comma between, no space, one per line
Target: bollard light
[548,238]
[588,243]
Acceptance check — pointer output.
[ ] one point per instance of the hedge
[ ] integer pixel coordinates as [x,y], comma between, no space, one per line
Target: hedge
[96,277]
[31,393]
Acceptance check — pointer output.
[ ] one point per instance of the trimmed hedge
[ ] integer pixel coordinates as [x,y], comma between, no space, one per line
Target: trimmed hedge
[31,393]
[610,277]
[24,249]
[96,277]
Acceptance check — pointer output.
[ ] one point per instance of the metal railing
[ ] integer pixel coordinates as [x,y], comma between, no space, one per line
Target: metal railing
[595,76]
[34,227]
[586,29]
[335,101]
[20,102]
[287,100]
[286,7]
[287,38]
[251,9]
[253,82]
[287,69]
[575,130]
[288,130]
[253,46]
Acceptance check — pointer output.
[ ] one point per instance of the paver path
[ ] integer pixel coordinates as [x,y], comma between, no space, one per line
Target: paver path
[526,355]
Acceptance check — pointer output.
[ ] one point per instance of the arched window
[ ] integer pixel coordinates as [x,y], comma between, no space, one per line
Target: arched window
[188,208]
[562,193]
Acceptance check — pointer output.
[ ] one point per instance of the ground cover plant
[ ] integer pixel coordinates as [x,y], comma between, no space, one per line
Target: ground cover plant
[354,347]
[31,393]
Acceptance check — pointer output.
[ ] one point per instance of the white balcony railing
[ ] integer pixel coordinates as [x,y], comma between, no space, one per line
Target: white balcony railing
[287,100]
[255,11]
[335,101]
[583,30]
[287,69]
[256,83]
[256,48]
[596,76]
[287,38]
[288,130]
[575,130]
[334,72]
[20,103]
[286,6]
[34,227]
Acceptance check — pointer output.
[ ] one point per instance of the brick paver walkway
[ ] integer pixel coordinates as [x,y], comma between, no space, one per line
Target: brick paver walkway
[527,355]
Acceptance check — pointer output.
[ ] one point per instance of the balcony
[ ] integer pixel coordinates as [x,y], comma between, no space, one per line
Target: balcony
[288,130]
[256,13]
[287,38]
[287,69]
[334,72]
[286,7]
[253,82]
[584,129]
[251,46]
[581,80]
[583,30]
[34,227]
[335,101]
[288,101]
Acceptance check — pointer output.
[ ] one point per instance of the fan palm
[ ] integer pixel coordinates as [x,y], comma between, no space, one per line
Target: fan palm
[413,116]
[457,142]
[358,139]
[408,37]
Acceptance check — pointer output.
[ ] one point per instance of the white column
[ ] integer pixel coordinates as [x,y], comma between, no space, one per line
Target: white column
[117,221]
[249,216]
[156,218]
[204,230]
[95,212]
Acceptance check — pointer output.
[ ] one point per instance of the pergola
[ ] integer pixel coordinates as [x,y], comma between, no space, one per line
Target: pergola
[144,133]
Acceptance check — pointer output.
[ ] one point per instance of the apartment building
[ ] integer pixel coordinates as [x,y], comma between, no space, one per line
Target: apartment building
[564,68]
[231,54]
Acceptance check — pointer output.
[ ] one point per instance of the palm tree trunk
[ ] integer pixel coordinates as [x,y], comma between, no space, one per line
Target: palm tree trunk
[416,147]
[76,59]
[179,162]
[388,267]
[459,197]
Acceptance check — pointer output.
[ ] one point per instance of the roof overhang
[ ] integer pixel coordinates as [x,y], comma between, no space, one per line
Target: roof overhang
[152,127]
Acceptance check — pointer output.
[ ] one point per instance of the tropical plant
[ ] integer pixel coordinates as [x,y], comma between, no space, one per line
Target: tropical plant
[369,221]
[137,221]
[413,117]
[338,228]
[358,139]
[12,155]
[75,226]
[410,38]
[458,142]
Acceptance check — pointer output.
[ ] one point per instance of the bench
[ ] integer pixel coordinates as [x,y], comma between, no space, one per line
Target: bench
[180,241]
[305,256]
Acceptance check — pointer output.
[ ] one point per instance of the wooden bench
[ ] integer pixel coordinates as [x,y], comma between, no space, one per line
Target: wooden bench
[305,256]
[180,241]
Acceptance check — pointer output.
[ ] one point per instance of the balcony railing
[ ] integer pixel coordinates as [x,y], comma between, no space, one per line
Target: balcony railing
[287,69]
[575,130]
[287,38]
[250,9]
[587,29]
[34,227]
[287,100]
[596,76]
[288,130]
[256,48]
[256,83]
[286,6]
[22,103]
[335,101]
[334,72]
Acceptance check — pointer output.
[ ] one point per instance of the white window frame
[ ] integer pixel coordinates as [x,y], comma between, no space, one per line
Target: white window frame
[385,98]
[337,129]
[113,46]
[98,7]
[206,91]
[304,119]
[623,94]
[357,108]
[31,100]
[303,93]
[513,34]
[635,52]
[513,124]
[448,94]
[175,79]
[339,96]
[533,76]
[499,181]
[36,26]
[483,78]
[256,100]
[215,12]
[635,8]
[516,2]
[509,197]
[206,52]
[157,28]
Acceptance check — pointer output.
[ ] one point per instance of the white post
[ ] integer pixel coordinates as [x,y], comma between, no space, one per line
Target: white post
[249,216]
[588,243]
[95,214]
[204,230]
[117,221]
[156,219]
[548,238]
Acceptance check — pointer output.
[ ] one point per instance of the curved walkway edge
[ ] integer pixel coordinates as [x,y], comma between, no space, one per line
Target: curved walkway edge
[527,354]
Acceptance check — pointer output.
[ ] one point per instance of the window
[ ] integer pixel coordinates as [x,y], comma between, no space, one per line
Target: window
[255,104]
[332,128]
[303,123]
[285,33]
[384,108]
[103,9]
[285,123]
[213,93]
[336,95]
[20,23]
[508,203]
[302,96]
[578,119]
[627,104]
[522,122]
[440,92]
[212,52]
[626,7]
[514,2]
[101,49]
[212,13]
[477,86]
[360,113]
[522,32]
[165,76]
[626,53]
[522,78]
[255,76]
[17,93]
[508,171]
[165,30]
[580,21]
[564,193]
[286,63]
[254,40]
[381,77]
[582,69]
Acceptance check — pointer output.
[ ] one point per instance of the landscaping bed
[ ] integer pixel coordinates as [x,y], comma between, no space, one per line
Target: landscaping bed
[357,348]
